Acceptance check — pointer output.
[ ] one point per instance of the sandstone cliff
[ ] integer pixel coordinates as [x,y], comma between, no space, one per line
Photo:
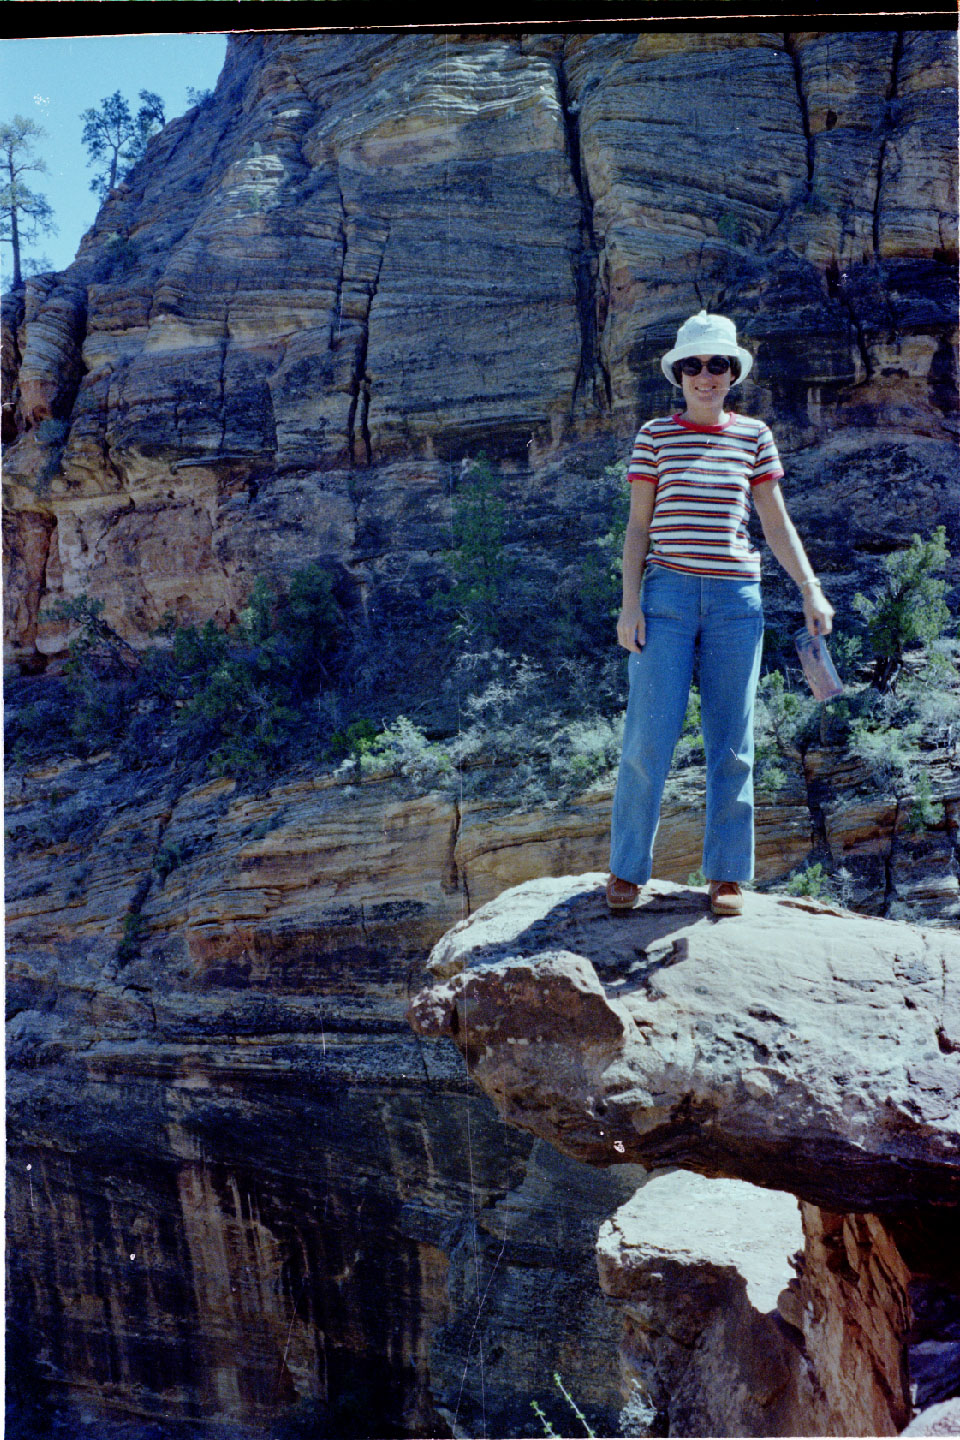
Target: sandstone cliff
[369,256]
[240,1188]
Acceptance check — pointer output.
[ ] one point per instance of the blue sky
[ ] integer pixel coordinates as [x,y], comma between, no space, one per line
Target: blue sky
[53,80]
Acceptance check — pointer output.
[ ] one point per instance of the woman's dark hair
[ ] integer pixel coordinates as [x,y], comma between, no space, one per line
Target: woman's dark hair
[735,368]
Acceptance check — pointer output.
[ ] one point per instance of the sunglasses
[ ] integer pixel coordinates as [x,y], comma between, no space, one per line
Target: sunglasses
[716,365]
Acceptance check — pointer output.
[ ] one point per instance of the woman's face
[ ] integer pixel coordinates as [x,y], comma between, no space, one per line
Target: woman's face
[706,391]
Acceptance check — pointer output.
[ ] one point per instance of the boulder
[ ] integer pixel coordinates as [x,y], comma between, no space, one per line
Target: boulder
[798,1051]
[800,1046]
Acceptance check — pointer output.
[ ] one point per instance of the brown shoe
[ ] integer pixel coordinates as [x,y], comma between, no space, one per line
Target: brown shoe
[621,894]
[726,897]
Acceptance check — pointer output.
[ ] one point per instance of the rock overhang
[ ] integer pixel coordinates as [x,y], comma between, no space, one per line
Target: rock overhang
[800,1047]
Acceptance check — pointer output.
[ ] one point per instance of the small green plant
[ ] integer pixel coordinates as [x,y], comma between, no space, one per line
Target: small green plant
[908,607]
[122,255]
[785,720]
[602,577]
[541,1415]
[167,859]
[810,881]
[403,749]
[478,560]
[134,928]
[890,753]
[354,741]
[733,229]
[573,1404]
[924,811]
[99,674]
[689,747]
[53,431]
[583,752]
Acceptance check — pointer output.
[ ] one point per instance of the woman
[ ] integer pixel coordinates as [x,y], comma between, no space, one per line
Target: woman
[692,480]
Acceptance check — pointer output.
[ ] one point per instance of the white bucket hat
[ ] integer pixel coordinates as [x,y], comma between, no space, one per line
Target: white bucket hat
[705,334]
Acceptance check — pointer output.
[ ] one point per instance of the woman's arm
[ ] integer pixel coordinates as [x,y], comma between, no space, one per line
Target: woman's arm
[785,543]
[631,626]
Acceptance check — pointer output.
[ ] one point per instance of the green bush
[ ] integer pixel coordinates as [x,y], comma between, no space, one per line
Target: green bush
[241,698]
[787,723]
[810,881]
[240,702]
[478,560]
[908,607]
[924,811]
[354,741]
[584,752]
[890,754]
[134,930]
[53,431]
[403,749]
[572,1404]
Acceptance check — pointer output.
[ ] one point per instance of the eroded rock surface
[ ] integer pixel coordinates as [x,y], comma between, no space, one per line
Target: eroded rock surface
[369,256]
[799,1047]
[694,1267]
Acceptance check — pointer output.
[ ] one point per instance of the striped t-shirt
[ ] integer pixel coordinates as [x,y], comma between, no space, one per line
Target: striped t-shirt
[704,475]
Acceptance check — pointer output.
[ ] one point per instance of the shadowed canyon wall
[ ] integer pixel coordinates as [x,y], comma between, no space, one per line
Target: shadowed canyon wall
[240,1187]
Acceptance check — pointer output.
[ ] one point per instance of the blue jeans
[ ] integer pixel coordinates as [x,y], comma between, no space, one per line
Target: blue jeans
[725,617]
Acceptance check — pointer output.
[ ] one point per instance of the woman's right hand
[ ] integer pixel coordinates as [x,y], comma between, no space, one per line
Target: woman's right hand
[817,611]
[632,628]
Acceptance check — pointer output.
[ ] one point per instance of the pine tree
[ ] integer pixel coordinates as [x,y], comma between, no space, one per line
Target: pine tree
[24,214]
[908,608]
[116,139]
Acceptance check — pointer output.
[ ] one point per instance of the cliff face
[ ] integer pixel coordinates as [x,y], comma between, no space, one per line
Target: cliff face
[240,1188]
[371,256]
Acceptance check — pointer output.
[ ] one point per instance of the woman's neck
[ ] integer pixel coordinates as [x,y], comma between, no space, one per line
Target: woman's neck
[701,415]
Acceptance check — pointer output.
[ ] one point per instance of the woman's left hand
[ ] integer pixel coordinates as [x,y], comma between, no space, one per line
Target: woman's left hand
[817,610]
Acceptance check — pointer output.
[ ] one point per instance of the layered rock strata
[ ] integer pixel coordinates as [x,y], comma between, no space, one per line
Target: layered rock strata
[801,1048]
[207,1051]
[240,1192]
[368,257]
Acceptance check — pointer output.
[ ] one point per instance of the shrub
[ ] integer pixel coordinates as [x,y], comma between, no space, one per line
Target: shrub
[99,676]
[908,607]
[237,702]
[354,741]
[810,881]
[924,811]
[584,752]
[167,859]
[53,431]
[602,571]
[403,749]
[689,748]
[786,725]
[134,930]
[571,1402]
[508,714]
[478,560]
[889,753]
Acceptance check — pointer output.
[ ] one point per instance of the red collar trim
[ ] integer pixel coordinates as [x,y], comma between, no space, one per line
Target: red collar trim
[709,429]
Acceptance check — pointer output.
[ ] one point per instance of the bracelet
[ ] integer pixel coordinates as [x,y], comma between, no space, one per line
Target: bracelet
[813,584]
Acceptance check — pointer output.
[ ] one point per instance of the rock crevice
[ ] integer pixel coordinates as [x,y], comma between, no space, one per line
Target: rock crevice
[589,272]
